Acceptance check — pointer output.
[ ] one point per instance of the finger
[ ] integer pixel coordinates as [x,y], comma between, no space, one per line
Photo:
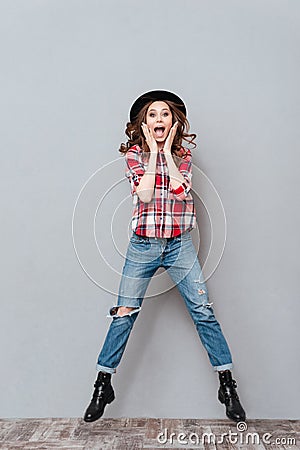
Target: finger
[175,128]
[145,130]
[144,126]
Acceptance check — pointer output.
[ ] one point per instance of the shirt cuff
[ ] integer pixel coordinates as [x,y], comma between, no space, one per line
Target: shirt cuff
[182,191]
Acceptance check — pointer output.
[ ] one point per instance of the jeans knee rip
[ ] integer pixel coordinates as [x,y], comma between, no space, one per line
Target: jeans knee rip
[207,304]
[204,304]
[203,292]
[113,312]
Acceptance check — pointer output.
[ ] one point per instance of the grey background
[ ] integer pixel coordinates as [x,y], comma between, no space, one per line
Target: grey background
[69,73]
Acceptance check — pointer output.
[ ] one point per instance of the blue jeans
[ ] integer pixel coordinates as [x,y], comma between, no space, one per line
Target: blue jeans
[179,257]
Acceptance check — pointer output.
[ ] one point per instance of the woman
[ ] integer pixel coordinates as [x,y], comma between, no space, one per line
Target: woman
[160,172]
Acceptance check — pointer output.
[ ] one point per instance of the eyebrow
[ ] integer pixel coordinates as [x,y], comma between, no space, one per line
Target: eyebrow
[164,109]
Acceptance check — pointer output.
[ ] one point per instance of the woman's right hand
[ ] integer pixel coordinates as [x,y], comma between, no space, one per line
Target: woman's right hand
[152,144]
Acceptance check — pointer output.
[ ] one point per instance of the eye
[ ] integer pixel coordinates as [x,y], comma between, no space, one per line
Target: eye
[151,114]
[166,114]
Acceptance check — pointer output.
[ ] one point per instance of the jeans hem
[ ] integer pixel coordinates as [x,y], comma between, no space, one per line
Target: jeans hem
[223,367]
[105,369]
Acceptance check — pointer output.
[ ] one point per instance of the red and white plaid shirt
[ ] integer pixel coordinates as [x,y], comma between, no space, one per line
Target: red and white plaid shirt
[170,212]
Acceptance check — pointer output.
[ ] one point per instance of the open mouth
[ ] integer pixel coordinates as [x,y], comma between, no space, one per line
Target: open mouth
[159,131]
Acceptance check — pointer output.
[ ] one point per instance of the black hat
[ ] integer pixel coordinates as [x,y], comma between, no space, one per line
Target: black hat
[154,96]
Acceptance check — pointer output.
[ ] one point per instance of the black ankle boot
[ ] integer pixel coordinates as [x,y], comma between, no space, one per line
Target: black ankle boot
[103,394]
[228,395]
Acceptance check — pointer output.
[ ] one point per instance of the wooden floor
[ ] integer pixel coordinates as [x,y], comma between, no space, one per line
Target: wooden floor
[131,434]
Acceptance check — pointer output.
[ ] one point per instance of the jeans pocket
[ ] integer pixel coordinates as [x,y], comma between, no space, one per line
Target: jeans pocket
[140,240]
[183,236]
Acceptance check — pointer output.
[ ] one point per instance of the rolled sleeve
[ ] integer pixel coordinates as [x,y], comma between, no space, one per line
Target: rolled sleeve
[134,169]
[185,168]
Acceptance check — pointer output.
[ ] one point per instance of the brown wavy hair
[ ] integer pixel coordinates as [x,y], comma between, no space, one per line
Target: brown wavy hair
[136,136]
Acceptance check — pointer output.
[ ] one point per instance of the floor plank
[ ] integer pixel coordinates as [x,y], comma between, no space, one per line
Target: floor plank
[148,433]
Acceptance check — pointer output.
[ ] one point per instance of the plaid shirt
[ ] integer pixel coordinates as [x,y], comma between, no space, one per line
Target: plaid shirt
[170,212]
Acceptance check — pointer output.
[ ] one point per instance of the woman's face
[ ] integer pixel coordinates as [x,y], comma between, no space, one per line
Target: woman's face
[159,120]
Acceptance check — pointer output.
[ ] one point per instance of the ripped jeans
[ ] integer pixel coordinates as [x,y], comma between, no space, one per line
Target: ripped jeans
[178,256]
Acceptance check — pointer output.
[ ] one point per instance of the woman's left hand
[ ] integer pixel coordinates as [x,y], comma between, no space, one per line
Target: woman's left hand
[170,138]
